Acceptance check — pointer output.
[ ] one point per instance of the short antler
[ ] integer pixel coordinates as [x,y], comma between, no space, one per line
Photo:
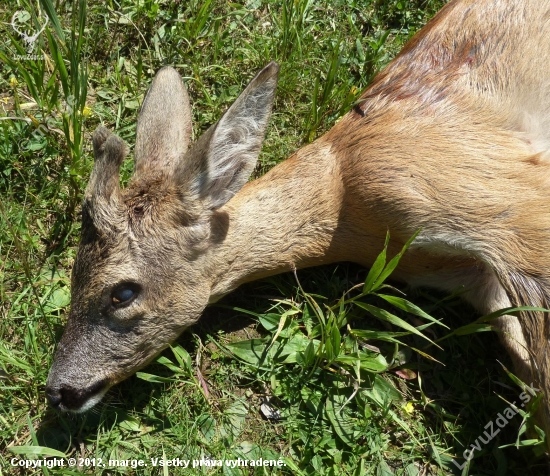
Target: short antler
[103,199]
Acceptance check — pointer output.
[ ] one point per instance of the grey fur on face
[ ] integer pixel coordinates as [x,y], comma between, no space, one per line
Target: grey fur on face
[138,281]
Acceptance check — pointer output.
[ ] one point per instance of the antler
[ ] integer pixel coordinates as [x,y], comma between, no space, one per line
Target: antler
[103,199]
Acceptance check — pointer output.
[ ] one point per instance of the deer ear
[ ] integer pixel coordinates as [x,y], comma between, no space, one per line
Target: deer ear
[233,144]
[164,125]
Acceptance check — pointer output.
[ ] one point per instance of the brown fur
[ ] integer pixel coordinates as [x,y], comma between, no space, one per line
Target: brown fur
[453,137]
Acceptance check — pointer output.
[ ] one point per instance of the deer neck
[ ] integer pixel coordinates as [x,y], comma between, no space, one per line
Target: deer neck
[289,218]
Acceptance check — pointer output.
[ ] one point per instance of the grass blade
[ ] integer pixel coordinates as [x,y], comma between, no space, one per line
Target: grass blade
[384,315]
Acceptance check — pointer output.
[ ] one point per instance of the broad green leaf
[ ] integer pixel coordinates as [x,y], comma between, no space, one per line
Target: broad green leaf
[384,470]
[269,321]
[154,378]
[412,470]
[297,344]
[249,451]
[393,319]
[293,466]
[360,470]
[132,424]
[36,451]
[308,321]
[49,8]
[389,268]
[408,306]
[341,425]
[523,443]
[472,329]
[168,363]
[207,426]
[379,335]
[282,322]
[333,340]
[307,357]
[510,311]
[482,324]
[183,357]
[235,418]
[382,392]
[377,267]
[370,363]
[250,351]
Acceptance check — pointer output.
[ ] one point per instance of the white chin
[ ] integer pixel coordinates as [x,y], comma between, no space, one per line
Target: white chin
[91,402]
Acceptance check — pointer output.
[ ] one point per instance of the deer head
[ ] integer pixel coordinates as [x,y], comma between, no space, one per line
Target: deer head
[141,274]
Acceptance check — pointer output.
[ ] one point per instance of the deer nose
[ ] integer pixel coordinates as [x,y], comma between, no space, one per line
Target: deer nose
[73,399]
[54,397]
[67,398]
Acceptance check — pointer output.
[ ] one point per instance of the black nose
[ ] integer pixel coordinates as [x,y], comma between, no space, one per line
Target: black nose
[54,397]
[71,399]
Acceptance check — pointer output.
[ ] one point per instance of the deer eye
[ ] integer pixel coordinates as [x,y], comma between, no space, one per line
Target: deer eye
[124,294]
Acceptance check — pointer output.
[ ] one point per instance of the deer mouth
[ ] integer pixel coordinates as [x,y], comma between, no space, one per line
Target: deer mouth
[66,398]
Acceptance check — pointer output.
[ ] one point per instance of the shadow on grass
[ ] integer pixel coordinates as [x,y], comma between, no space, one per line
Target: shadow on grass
[463,394]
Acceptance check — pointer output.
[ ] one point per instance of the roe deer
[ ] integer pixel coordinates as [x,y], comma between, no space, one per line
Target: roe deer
[452,138]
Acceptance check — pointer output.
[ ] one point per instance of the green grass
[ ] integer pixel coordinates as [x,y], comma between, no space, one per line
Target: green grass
[353,391]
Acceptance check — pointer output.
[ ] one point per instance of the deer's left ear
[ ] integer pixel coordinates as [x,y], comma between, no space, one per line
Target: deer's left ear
[164,125]
[225,156]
